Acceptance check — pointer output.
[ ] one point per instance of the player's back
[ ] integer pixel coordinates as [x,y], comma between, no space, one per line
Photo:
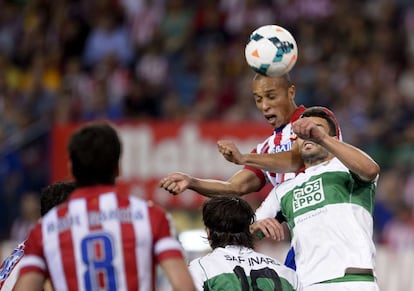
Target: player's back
[238,268]
[100,240]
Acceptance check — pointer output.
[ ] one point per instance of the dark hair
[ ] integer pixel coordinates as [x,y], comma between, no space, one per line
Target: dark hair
[94,151]
[228,220]
[284,79]
[325,113]
[54,194]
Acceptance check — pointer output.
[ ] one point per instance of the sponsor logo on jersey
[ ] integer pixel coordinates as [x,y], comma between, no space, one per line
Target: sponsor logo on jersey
[283,147]
[310,194]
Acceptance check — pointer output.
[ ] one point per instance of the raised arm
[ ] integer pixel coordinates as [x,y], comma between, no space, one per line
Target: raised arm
[241,183]
[282,162]
[353,158]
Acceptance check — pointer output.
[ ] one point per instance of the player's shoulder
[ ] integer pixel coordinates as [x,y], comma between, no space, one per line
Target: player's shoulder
[194,263]
[289,183]
[203,261]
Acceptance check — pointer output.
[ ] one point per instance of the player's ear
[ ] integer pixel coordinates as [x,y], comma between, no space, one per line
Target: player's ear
[292,92]
[208,233]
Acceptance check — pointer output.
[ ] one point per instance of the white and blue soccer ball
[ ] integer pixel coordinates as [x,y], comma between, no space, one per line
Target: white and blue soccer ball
[271,51]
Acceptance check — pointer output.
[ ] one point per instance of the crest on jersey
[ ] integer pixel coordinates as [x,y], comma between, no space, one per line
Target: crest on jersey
[10,262]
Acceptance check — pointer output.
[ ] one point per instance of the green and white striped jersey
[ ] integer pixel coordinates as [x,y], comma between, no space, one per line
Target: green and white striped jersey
[329,211]
[238,268]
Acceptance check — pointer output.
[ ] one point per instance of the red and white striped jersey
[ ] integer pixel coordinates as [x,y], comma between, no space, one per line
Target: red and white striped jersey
[100,240]
[281,140]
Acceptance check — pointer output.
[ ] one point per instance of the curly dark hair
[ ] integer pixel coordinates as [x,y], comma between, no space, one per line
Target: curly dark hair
[54,194]
[228,220]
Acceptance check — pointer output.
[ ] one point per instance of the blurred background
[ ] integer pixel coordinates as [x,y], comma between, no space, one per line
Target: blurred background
[172,75]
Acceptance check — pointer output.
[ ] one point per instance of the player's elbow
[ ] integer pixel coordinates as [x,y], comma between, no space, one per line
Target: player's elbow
[241,189]
[372,171]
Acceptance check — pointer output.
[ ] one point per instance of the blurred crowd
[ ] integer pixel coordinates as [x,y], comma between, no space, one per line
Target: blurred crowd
[73,61]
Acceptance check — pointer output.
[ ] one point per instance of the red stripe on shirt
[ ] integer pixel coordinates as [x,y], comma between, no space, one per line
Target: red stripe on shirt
[278,138]
[161,228]
[67,253]
[92,206]
[129,242]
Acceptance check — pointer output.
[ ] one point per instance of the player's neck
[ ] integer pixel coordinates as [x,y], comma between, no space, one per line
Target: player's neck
[310,162]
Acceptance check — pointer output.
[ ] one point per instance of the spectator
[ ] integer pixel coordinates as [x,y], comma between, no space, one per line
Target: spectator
[398,233]
[29,214]
[107,38]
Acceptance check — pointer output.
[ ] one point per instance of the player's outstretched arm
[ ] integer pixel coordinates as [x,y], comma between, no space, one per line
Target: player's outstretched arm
[282,162]
[242,182]
[178,274]
[176,183]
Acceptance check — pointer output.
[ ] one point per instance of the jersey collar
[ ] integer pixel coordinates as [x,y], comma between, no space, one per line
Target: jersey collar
[93,191]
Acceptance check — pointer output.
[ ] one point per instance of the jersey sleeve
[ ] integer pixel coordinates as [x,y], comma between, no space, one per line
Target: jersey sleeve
[258,172]
[269,207]
[33,259]
[166,245]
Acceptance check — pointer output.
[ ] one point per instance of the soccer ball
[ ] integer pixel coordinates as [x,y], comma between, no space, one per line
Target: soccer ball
[271,51]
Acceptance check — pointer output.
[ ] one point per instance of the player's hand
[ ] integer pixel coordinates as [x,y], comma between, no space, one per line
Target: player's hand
[268,227]
[306,129]
[175,183]
[230,151]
